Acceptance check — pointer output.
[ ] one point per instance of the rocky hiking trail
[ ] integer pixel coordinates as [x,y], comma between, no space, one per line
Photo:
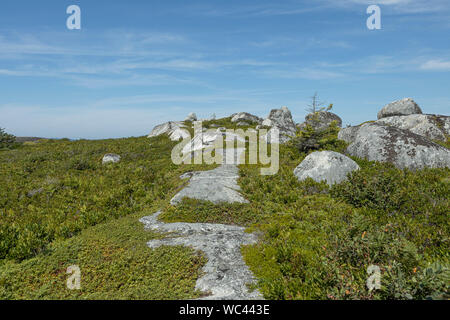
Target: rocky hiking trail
[226,275]
[402,136]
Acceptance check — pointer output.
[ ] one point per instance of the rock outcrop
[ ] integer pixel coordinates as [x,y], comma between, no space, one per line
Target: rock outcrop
[434,127]
[226,275]
[328,166]
[245,117]
[403,148]
[280,119]
[402,107]
[174,129]
[218,185]
[206,140]
[348,134]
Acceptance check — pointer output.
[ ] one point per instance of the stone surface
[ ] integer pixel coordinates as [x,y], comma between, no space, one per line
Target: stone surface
[174,129]
[191,117]
[281,119]
[110,158]
[348,134]
[217,185]
[267,123]
[246,117]
[207,140]
[179,134]
[225,274]
[330,166]
[321,120]
[377,142]
[434,127]
[402,107]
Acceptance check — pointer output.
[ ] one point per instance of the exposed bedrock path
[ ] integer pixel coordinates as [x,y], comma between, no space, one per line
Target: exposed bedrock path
[217,185]
[225,274]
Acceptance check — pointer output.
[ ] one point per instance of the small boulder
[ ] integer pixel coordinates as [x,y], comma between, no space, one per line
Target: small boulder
[191,117]
[111,157]
[402,107]
[330,166]
[403,148]
[246,117]
[321,120]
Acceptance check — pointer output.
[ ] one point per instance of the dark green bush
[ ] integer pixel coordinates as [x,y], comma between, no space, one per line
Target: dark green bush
[6,140]
[383,187]
[308,139]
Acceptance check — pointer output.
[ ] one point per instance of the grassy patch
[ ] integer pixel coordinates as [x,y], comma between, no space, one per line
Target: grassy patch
[62,207]
[55,189]
[115,263]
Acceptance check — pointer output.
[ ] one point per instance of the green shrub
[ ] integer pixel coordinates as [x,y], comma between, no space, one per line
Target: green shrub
[76,191]
[309,139]
[6,140]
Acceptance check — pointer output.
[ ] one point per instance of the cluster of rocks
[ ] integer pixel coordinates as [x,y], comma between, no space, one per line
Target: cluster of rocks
[278,119]
[402,135]
[176,130]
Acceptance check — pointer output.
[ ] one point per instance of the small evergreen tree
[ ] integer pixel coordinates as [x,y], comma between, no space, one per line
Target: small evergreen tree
[309,139]
[6,140]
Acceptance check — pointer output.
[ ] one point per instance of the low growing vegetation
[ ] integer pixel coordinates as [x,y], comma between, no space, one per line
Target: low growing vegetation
[60,206]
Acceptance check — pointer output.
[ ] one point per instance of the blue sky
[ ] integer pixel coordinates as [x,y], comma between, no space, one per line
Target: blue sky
[135,64]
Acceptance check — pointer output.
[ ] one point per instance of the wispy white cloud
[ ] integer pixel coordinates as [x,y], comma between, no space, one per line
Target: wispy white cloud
[436,65]
[397,6]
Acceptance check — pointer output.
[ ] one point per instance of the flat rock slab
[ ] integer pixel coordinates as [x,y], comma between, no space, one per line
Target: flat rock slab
[225,274]
[218,185]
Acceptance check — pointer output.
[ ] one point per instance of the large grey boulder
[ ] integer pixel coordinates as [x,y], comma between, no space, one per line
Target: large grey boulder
[348,134]
[402,107]
[175,131]
[281,119]
[330,166]
[403,148]
[434,127]
[110,158]
[321,120]
[245,117]
[191,117]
